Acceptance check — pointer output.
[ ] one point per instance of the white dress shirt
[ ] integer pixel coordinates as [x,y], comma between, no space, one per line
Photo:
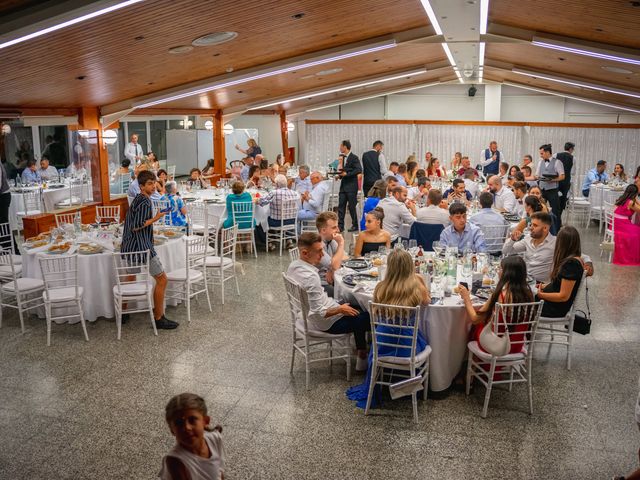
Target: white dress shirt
[505,199]
[539,259]
[520,207]
[486,161]
[316,196]
[432,215]
[49,174]
[306,275]
[383,164]
[396,214]
[132,151]
[471,186]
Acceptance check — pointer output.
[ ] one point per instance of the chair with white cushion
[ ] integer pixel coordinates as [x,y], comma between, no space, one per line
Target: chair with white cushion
[243,213]
[23,294]
[306,341]
[133,291]
[397,328]
[222,268]
[108,213]
[517,366]
[284,232]
[68,218]
[189,282]
[61,290]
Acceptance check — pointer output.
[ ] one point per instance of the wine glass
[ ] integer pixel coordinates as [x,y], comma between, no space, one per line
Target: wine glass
[413,244]
[466,269]
[437,247]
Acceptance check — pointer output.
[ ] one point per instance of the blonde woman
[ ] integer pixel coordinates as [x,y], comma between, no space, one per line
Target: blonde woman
[456,162]
[411,177]
[401,287]
[253,149]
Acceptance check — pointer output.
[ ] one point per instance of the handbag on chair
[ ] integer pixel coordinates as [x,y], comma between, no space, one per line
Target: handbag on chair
[493,343]
[582,320]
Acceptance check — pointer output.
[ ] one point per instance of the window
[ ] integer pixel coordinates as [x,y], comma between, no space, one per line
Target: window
[158,129]
[140,129]
[18,148]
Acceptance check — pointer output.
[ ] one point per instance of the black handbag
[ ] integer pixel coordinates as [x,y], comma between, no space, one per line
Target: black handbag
[582,320]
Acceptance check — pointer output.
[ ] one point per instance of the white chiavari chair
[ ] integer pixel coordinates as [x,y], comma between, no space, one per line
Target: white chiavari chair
[108,213]
[23,294]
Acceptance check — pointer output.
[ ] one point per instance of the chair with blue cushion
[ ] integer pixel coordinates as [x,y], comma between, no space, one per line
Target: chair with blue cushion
[425,234]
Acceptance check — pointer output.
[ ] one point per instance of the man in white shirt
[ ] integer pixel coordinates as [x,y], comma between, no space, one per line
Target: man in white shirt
[527,161]
[470,184]
[538,247]
[550,173]
[493,225]
[326,314]
[490,159]
[520,191]
[133,151]
[398,211]
[47,172]
[504,199]
[419,192]
[433,213]
[313,200]
[302,183]
[333,246]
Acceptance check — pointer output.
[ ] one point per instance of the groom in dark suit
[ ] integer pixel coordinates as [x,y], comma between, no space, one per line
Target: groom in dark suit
[350,167]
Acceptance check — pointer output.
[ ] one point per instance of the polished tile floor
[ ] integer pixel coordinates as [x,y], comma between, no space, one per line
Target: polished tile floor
[94,409]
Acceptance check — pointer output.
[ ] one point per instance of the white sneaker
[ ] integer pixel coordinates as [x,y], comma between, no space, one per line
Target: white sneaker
[362,364]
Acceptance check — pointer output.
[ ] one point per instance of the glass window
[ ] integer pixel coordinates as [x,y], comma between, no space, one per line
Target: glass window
[176,124]
[191,123]
[85,164]
[140,129]
[18,148]
[159,138]
[54,145]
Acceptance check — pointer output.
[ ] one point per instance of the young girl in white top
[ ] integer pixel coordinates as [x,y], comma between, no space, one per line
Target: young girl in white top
[198,453]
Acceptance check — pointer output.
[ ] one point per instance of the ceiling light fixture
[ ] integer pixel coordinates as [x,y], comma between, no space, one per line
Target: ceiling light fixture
[580,99]
[68,23]
[340,89]
[228,129]
[432,16]
[208,125]
[382,94]
[214,39]
[577,83]
[578,49]
[109,137]
[484,16]
[481,54]
[276,71]
[446,49]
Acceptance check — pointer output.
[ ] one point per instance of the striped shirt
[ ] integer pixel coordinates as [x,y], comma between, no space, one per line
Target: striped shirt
[136,237]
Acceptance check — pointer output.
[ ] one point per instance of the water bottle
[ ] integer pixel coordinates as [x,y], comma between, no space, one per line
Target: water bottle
[77,227]
[19,180]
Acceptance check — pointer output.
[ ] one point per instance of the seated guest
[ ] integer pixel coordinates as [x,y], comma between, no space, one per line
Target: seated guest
[47,172]
[237,195]
[254,177]
[512,287]
[302,183]
[434,169]
[618,174]
[504,172]
[594,176]
[411,176]
[492,224]
[457,192]
[566,275]
[333,248]
[124,169]
[398,211]
[392,182]
[456,162]
[31,174]
[513,170]
[504,199]
[77,169]
[134,188]
[434,213]
[419,193]
[178,208]
[536,192]
[403,287]
[527,161]
[162,175]
[537,247]
[393,171]
[460,233]
[152,162]
[373,237]
[313,200]
[626,233]
[278,199]
[528,176]
[465,165]
[470,175]
[402,175]
[208,171]
[325,314]
[244,173]
[531,205]
[160,190]
[377,193]
[194,179]
[519,191]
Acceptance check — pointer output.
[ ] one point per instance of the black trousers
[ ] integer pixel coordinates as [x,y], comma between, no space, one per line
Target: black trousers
[551,196]
[359,325]
[345,198]
[564,190]
[5,202]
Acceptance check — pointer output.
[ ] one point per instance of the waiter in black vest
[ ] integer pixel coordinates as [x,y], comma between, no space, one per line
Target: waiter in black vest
[490,159]
[566,158]
[374,166]
[349,167]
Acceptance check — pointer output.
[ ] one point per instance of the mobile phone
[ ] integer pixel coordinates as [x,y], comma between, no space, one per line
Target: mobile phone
[464,284]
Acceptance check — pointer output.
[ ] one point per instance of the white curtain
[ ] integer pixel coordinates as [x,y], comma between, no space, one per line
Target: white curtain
[616,145]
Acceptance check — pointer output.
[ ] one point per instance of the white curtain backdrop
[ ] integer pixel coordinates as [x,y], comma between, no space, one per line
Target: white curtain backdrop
[616,145]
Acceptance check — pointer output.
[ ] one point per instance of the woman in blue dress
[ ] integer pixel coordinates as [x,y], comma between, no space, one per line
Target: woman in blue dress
[178,208]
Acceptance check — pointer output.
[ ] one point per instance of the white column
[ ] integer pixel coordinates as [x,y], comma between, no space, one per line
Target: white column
[492,101]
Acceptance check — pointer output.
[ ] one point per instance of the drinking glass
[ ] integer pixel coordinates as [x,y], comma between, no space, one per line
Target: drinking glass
[382,250]
[405,244]
[437,247]
[413,244]
[466,269]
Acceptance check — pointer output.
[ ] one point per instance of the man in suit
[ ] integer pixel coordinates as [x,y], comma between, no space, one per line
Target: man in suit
[374,166]
[566,158]
[349,167]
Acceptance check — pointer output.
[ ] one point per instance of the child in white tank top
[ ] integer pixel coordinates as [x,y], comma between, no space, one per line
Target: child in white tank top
[198,453]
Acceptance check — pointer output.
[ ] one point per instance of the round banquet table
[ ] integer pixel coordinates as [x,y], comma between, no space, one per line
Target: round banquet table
[446,328]
[600,194]
[219,209]
[96,275]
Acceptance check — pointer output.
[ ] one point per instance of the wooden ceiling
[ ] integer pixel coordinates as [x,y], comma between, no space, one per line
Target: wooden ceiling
[124,54]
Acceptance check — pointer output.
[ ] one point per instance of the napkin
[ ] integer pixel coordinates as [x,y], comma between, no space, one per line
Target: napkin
[365,287]
[38,249]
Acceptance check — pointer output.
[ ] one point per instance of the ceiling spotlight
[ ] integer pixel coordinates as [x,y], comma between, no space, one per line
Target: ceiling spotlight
[208,125]
[180,49]
[214,39]
[228,129]
[109,137]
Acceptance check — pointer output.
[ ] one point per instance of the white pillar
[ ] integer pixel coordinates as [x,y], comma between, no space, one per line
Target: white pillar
[492,101]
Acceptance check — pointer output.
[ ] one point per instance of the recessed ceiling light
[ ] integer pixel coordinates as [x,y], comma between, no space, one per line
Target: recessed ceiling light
[215,38]
[297,16]
[180,49]
[307,77]
[229,69]
[81,77]
[139,38]
[331,71]
[617,70]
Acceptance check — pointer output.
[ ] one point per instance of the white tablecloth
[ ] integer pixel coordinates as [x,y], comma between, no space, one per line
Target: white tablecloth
[97,276]
[599,194]
[220,209]
[446,328]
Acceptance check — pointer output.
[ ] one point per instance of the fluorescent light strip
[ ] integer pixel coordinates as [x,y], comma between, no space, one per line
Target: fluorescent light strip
[341,89]
[592,86]
[582,51]
[580,99]
[292,68]
[446,49]
[484,16]
[459,75]
[432,16]
[68,23]
[481,54]
[361,99]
